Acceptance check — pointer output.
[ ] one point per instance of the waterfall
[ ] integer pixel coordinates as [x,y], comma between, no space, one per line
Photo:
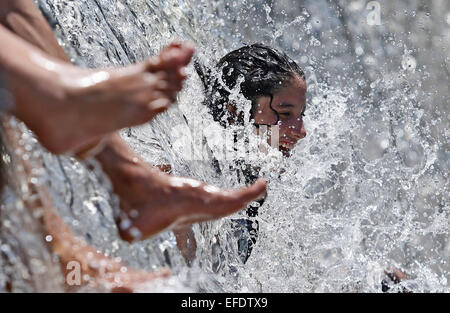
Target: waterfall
[366,189]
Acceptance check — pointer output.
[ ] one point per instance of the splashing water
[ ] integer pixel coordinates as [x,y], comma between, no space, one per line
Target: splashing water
[366,189]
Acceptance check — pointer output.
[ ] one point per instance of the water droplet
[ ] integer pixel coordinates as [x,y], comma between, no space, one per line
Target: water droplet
[359,50]
[409,63]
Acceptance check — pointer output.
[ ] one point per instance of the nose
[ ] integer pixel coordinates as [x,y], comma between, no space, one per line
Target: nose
[298,131]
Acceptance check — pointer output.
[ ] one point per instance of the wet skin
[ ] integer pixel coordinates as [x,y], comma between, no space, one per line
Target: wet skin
[287,111]
[70,100]
[103,100]
[153,201]
[77,106]
[23,19]
[70,108]
[95,269]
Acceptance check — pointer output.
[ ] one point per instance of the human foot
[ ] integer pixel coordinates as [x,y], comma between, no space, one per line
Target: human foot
[152,201]
[68,107]
[159,201]
[81,263]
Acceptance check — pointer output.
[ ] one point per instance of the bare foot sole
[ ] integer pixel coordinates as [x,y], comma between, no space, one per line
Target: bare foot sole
[160,201]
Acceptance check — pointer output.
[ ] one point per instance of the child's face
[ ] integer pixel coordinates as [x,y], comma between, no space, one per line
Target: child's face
[286,111]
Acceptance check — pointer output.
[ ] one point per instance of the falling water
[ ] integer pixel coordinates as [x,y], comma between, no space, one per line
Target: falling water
[366,189]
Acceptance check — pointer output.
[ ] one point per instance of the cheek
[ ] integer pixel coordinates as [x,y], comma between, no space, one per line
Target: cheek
[292,131]
[283,130]
[265,116]
[294,124]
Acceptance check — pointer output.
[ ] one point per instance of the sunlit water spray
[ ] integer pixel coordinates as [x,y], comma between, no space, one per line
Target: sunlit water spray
[366,189]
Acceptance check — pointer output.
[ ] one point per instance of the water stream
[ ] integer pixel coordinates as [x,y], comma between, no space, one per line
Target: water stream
[366,189]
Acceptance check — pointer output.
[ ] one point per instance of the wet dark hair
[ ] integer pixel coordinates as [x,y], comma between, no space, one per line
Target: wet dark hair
[262,71]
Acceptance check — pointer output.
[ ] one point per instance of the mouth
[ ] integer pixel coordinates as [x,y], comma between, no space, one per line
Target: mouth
[286,147]
[287,144]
